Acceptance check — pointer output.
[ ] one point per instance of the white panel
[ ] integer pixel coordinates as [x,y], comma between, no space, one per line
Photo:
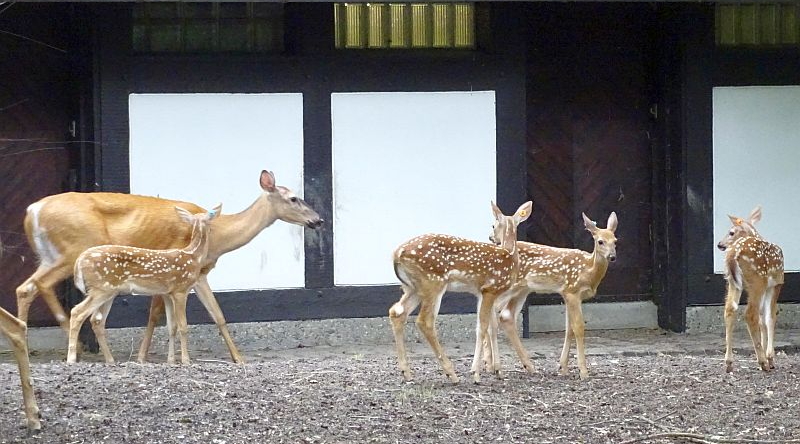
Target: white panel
[405,164]
[756,157]
[210,148]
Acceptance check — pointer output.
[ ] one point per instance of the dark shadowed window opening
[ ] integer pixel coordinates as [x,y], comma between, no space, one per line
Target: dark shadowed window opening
[208,27]
[758,24]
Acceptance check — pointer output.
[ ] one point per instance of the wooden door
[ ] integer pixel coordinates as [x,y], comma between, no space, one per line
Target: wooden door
[589,95]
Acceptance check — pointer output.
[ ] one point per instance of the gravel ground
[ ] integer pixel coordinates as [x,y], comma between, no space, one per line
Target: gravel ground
[328,395]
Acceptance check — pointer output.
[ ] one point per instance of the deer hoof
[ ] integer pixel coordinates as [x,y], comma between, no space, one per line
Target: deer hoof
[728,367]
[476,377]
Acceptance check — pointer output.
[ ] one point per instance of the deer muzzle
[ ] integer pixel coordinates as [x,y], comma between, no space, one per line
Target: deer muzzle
[314,224]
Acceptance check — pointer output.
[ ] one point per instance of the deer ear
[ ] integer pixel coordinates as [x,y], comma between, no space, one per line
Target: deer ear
[496,211]
[589,224]
[735,221]
[267,181]
[523,212]
[755,215]
[612,222]
[184,214]
[215,212]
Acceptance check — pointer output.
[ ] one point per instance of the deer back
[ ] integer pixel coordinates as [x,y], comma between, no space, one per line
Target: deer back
[462,264]
[64,225]
[752,257]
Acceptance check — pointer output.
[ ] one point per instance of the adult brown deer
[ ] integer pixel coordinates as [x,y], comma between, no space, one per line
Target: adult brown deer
[17,334]
[755,265]
[572,273]
[61,227]
[429,265]
[103,272]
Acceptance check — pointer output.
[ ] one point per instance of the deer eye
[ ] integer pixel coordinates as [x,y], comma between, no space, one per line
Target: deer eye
[731,233]
[600,242]
[293,200]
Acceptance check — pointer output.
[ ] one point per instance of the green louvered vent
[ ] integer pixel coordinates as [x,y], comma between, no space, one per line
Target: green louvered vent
[758,24]
[207,27]
[404,25]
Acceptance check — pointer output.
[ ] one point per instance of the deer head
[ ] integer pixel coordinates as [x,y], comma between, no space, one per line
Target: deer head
[605,243]
[740,228]
[504,230]
[287,206]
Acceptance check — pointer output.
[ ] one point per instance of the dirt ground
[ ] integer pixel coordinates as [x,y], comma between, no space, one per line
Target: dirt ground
[337,395]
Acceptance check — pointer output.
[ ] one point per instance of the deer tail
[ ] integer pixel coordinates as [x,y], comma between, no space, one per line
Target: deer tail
[733,271]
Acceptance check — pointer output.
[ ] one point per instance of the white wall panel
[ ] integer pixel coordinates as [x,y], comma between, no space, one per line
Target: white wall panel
[756,157]
[211,148]
[405,164]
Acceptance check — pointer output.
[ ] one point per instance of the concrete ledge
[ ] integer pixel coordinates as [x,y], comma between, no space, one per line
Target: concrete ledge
[598,316]
[260,336]
[283,335]
[709,318]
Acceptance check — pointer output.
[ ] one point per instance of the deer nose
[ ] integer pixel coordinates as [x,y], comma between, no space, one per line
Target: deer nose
[721,247]
[612,258]
[316,223]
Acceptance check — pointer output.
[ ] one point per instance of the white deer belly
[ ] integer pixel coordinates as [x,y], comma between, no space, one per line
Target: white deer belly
[462,282]
[144,288]
[543,285]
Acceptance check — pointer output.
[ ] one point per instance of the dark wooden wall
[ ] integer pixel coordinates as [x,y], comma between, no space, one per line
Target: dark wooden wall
[312,66]
[590,88]
[37,102]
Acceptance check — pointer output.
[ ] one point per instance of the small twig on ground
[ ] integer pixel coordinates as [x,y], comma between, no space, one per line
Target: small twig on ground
[216,361]
[305,375]
[708,439]
[651,422]
[370,417]
[577,403]
[488,404]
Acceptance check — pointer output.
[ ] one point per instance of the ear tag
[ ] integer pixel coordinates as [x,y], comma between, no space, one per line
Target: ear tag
[739,221]
[212,213]
[523,213]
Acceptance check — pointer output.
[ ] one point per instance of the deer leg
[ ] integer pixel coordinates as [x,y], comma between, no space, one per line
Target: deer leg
[156,311]
[398,316]
[494,348]
[774,292]
[93,301]
[206,296]
[577,324]
[508,319]
[564,360]
[43,281]
[426,322]
[179,314]
[16,332]
[754,324]
[486,314]
[763,321]
[98,321]
[731,305]
[482,352]
[486,351]
[172,327]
